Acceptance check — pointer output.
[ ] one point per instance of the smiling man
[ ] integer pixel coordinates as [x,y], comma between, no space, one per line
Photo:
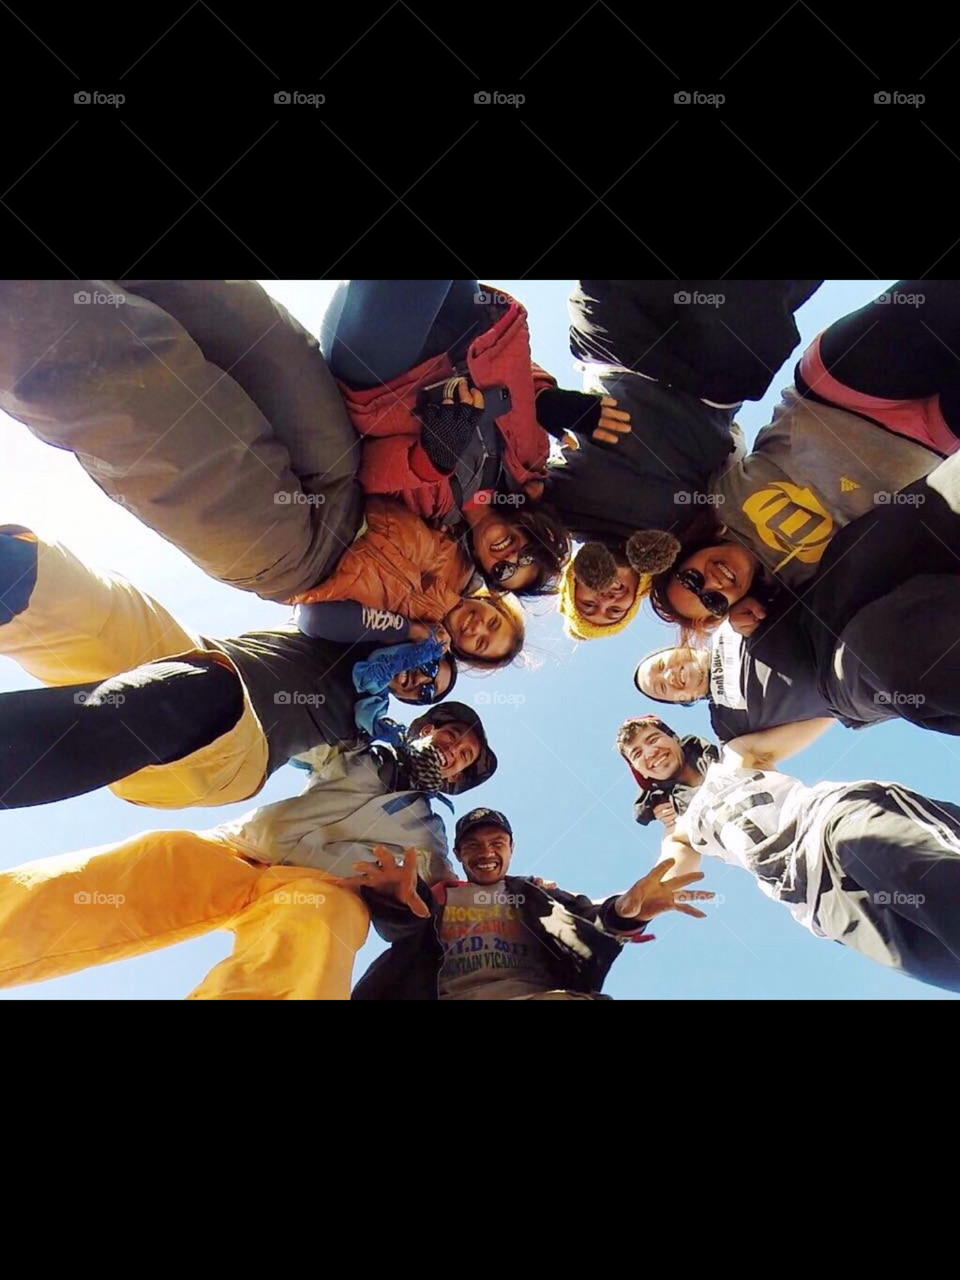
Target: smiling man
[666,767]
[495,936]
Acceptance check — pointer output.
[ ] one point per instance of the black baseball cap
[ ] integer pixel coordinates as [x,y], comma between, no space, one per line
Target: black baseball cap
[481,818]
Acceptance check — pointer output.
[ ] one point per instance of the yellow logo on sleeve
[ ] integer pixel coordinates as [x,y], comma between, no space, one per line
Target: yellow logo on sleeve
[791,519]
[847,486]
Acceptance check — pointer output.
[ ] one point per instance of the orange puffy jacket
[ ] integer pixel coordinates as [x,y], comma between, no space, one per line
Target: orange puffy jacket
[398,563]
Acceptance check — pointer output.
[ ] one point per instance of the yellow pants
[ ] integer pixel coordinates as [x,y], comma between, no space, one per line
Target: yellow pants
[83,625]
[296,931]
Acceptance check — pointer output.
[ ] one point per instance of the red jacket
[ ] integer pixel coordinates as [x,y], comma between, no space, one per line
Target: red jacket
[394,460]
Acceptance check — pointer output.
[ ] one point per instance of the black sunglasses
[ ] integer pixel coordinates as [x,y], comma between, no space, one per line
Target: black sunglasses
[428,692]
[714,601]
[503,570]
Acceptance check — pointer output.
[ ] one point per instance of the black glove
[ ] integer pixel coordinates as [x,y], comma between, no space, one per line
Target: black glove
[447,429]
[561,411]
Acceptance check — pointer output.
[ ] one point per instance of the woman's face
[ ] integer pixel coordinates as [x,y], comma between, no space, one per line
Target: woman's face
[727,568]
[479,630]
[676,675]
[407,685]
[496,539]
[603,608]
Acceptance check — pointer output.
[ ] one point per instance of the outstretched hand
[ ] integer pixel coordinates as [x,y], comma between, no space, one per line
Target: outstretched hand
[650,897]
[392,879]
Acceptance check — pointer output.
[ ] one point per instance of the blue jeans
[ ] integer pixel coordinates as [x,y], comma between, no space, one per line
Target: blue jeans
[375,330]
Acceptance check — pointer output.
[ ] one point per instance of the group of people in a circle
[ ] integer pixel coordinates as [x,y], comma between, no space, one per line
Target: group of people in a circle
[407,483]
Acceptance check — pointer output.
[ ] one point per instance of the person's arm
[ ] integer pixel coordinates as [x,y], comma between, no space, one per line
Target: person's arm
[767,747]
[346,621]
[676,848]
[563,412]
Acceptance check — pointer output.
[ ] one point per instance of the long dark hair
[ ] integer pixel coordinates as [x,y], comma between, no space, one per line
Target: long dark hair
[550,543]
[704,530]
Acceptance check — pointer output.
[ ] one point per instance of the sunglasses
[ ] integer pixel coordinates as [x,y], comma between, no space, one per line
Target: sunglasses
[428,692]
[713,601]
[503,570]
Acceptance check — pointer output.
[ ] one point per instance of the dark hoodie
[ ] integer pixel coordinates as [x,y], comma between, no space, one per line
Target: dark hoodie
[688,353]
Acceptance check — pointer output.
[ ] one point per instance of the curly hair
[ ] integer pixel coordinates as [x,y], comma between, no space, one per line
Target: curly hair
[550,544]
[704,530]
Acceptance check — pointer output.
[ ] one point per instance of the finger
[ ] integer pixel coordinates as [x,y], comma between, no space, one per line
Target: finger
[609,402]
[692,911]
[617,415]
[416,904]
[477,398]
[688,878]
[410,862]
[364,868]
[463,393]
[661,869]
[384,857]
[570,440]
[608,437]
[614,424]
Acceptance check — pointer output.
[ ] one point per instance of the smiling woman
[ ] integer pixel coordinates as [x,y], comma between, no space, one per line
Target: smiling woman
[487,629]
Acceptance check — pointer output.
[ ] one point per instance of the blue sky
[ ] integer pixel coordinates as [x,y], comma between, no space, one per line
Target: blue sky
[552,723]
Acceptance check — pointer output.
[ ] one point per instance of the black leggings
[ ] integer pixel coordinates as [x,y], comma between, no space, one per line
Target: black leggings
[899,350]
[57,743]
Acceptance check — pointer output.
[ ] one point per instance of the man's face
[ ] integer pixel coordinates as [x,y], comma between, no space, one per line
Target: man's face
[654,754]
[604,608]
[459,747]
[677,675]
[407,685]
[485,852]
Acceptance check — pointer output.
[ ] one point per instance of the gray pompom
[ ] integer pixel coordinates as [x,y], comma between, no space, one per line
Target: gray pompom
[595,566]
[652,551]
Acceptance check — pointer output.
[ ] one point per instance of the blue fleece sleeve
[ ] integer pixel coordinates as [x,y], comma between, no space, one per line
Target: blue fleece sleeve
[373,675]
[347,621]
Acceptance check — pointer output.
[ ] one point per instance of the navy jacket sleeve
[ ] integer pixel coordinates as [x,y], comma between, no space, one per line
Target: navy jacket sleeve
[346,621]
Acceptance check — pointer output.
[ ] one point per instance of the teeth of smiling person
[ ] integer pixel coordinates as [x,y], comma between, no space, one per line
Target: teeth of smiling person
[501,545]
[728,573]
